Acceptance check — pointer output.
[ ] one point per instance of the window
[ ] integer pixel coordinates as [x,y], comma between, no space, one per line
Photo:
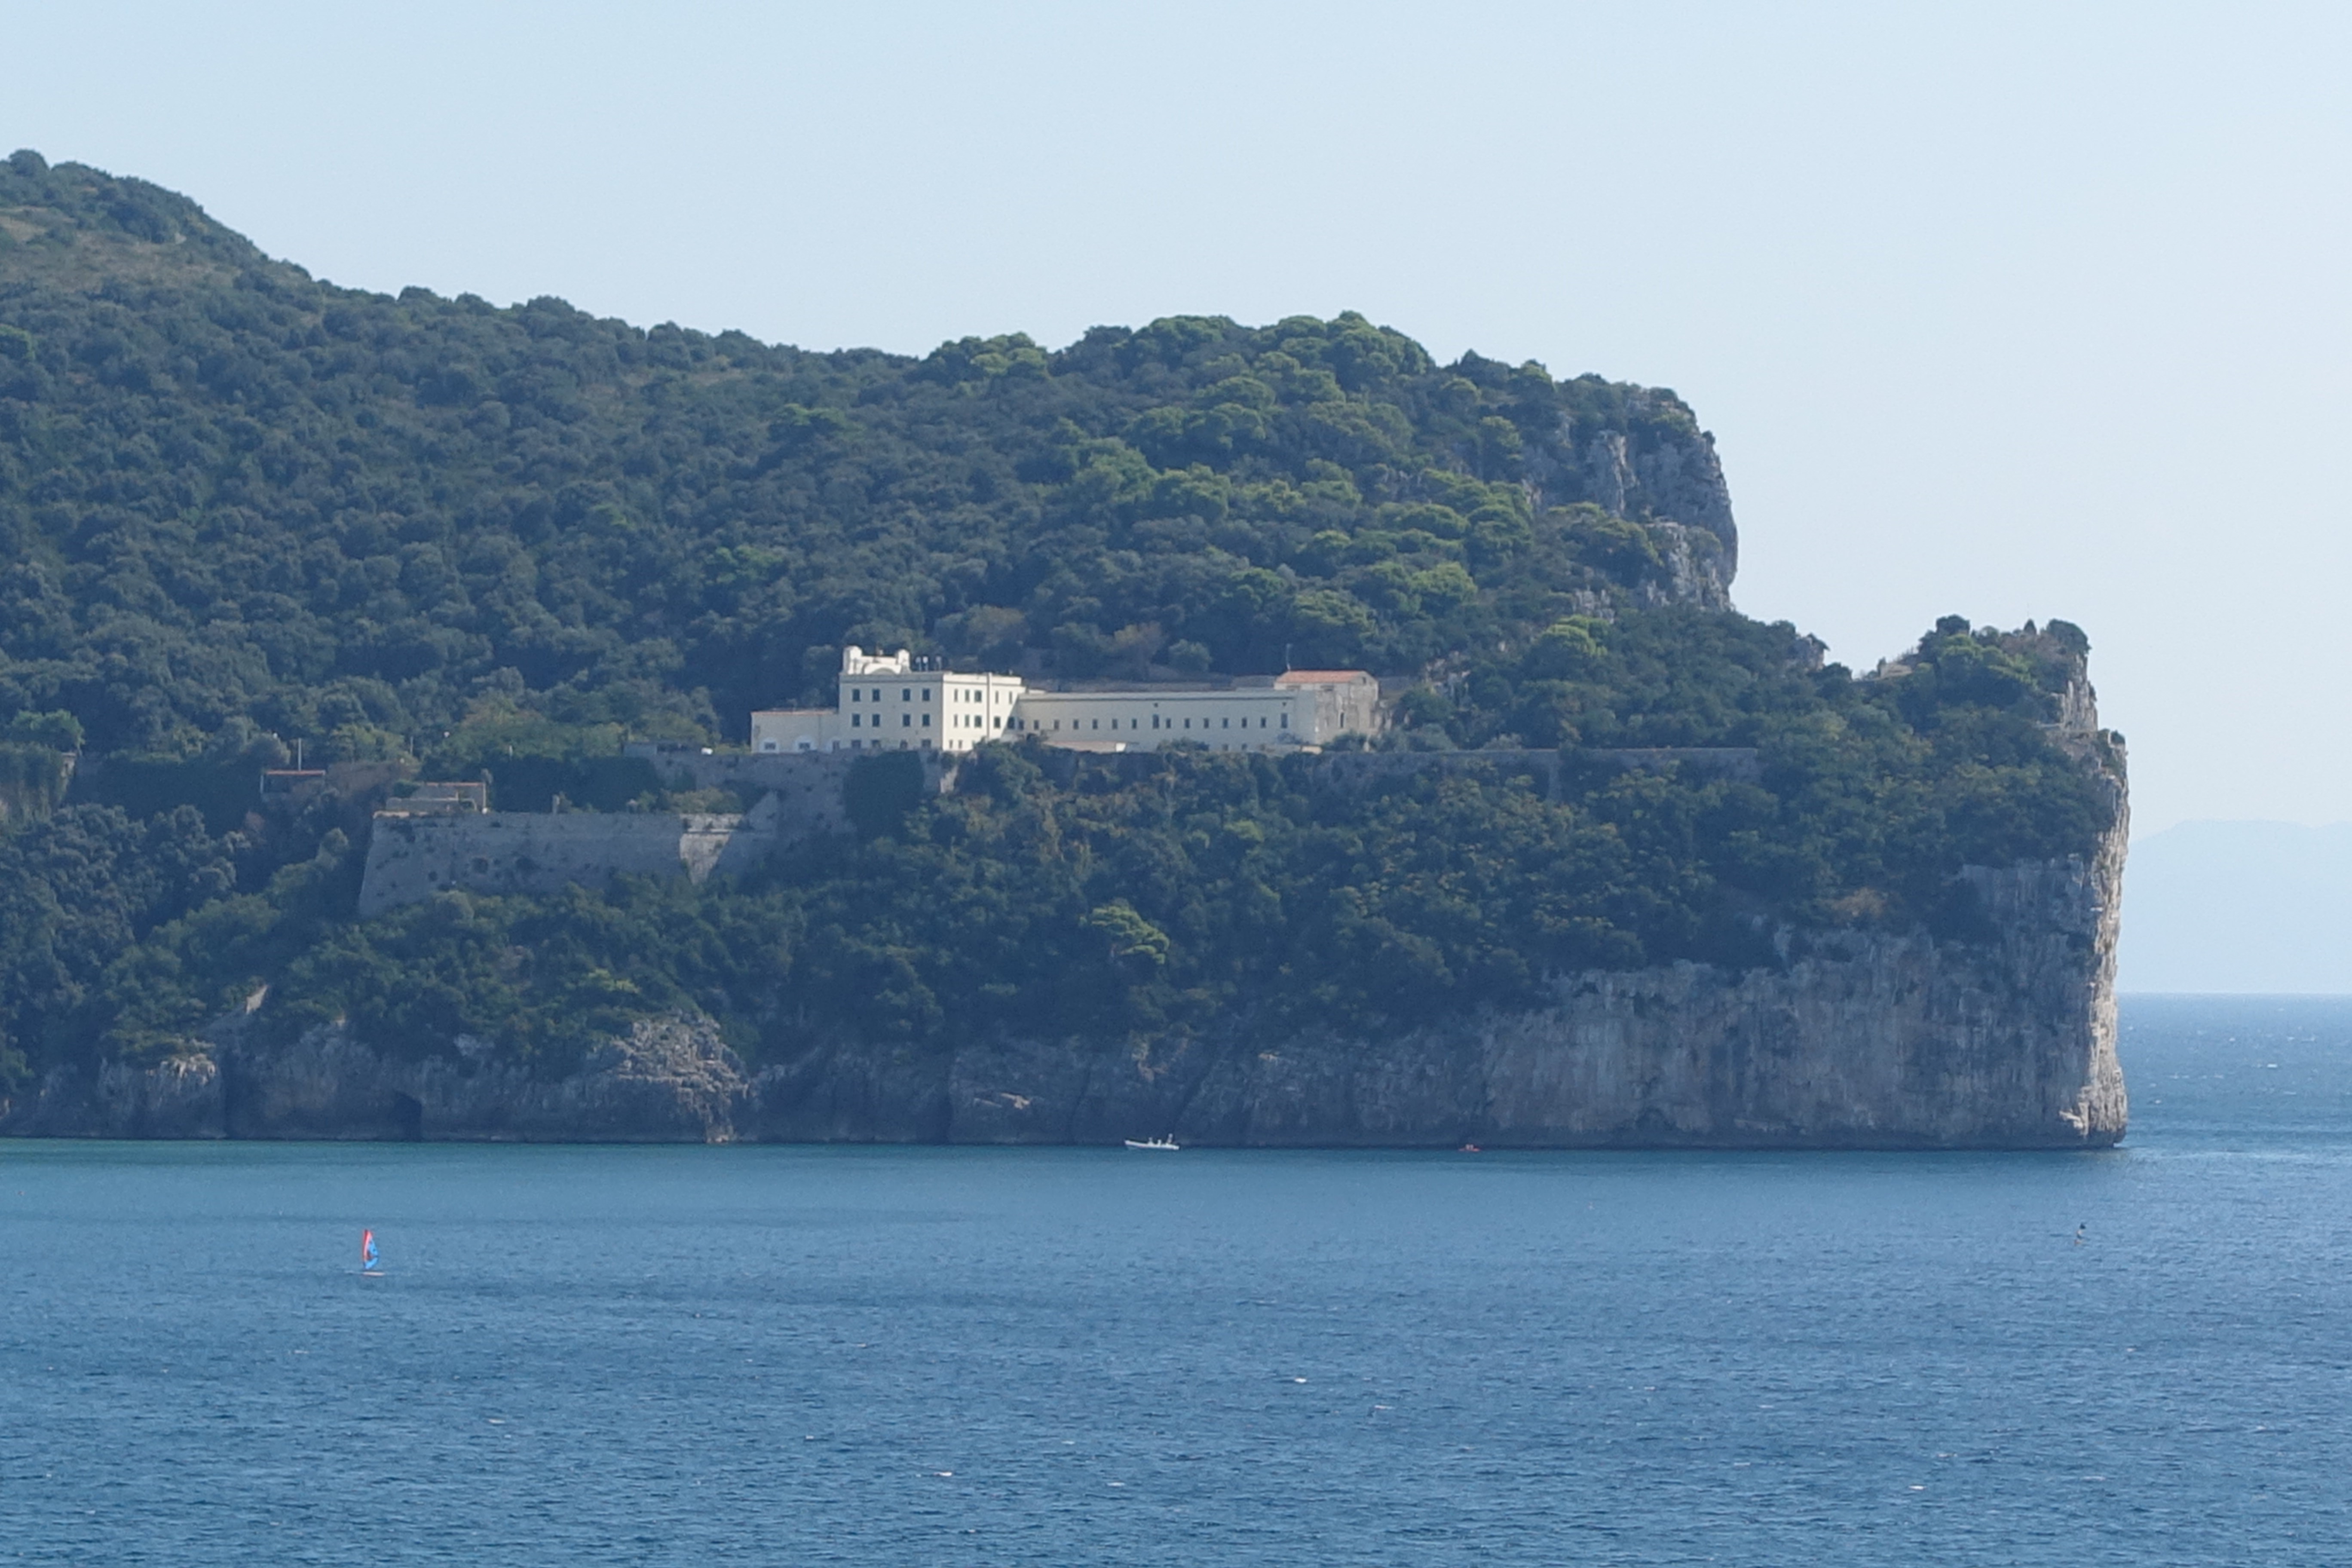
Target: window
[927,724]
[906,720]
[1285,721]
[853,694]
[904,695]
[1187,724]
[1226,725]
[927,694]
[855,719]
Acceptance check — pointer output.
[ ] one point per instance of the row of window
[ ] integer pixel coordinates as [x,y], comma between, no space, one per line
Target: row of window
[1157,724]
[976,722]
[906,693]
[979,722]
[861,744]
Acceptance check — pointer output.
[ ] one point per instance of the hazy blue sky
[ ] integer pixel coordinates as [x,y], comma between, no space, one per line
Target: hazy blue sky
[2003,311]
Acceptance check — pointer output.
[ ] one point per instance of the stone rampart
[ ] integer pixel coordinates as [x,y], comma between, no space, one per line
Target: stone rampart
[1725,761]
[413,857]
[805,793]
[796,798]
[801,797]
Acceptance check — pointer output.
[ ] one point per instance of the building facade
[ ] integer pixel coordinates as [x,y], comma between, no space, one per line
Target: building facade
[898,702]
[894,702]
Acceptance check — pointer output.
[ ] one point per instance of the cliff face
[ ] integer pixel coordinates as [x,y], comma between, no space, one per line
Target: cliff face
[1861,1039]
[1865,1040]
[1649,464]
[668,1081]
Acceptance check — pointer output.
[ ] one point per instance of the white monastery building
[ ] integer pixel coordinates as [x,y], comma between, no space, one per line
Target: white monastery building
[898,702]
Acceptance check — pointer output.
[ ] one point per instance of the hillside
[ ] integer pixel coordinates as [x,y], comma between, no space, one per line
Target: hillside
[230,492]
[244,509]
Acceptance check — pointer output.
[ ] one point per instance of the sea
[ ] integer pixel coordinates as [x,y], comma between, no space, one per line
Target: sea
[1070,1356]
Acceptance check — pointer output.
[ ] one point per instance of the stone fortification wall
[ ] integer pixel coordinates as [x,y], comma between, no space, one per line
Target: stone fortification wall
[1544,769]
[1364,770]
[1722,762]
[808,789]
[800,796]
[413,857]
[796,798]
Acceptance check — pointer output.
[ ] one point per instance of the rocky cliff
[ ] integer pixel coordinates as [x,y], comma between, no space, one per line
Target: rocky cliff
[1860,1039]
[668,1081]
[1857,1038]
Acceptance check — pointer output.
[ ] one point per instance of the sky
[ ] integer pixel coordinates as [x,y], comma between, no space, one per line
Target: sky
[2239,907]
[2004,311]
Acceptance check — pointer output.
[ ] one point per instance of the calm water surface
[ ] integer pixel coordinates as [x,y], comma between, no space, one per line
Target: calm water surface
[1076,1356]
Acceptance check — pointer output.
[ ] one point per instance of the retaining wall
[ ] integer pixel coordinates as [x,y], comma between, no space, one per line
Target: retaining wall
[800,796]
[413,857]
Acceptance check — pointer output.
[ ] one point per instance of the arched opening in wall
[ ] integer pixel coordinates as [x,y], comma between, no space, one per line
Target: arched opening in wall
[407,1118]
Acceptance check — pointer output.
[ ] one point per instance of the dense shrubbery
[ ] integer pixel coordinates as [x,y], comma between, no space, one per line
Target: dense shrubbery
[236,504]
[77,892]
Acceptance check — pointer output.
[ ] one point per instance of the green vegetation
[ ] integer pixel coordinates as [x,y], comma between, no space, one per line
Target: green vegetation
[228,491]
[1111,900]
[240,506]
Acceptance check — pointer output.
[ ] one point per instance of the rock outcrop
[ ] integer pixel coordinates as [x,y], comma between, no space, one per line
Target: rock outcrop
[668,1080]
[1648,462]
[1860,1040]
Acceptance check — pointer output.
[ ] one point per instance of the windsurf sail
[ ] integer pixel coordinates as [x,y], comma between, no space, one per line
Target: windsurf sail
[368,1264]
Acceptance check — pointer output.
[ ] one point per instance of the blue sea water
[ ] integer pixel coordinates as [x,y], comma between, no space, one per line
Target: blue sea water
[801,1355]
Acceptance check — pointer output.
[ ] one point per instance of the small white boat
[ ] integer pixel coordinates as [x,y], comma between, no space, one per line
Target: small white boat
[1165,1141]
